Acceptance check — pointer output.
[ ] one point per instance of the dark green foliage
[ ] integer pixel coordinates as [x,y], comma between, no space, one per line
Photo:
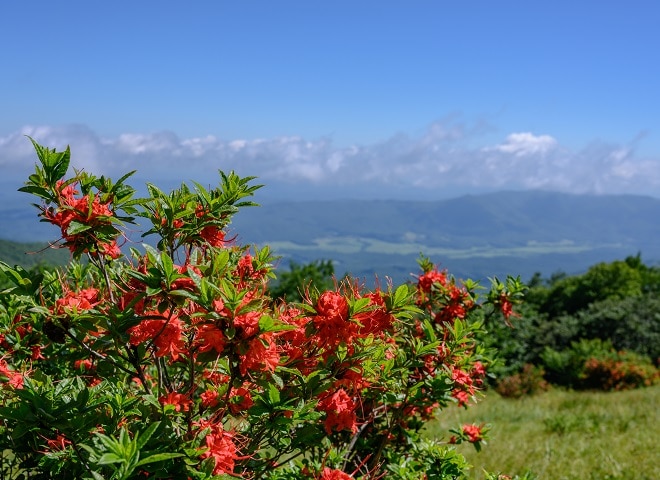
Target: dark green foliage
[594,364]
[293,283]
[616,280]
[613,307]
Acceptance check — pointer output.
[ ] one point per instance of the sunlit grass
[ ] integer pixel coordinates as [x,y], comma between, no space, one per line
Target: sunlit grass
[562,435]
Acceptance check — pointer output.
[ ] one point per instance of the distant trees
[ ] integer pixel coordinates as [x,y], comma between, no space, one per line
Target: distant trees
[293,283]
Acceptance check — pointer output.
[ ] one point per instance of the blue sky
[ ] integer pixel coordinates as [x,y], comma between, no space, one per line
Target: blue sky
[363,98]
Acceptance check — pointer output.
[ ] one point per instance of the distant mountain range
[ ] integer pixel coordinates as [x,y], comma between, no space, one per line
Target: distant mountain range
[517,233]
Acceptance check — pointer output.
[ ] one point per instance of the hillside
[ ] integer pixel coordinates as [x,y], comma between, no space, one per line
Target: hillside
[475,235]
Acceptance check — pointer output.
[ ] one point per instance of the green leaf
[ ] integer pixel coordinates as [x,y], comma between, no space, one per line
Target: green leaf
[142,438]
[158,457]
[108,458]
[273,394]
[55,163]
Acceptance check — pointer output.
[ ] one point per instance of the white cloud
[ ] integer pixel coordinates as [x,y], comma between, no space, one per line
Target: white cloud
[525,144]
[441,161]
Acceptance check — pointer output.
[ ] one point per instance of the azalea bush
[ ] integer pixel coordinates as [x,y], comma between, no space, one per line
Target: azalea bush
[168,359]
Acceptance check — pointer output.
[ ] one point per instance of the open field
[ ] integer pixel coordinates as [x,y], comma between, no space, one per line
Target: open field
[565,435]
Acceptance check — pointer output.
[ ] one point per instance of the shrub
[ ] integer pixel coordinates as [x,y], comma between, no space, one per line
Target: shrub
[528,382]
[594,364]
[173,362]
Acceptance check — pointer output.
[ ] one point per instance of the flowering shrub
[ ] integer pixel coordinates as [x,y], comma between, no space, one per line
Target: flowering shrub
[594,364]
[172,362]
[527,382]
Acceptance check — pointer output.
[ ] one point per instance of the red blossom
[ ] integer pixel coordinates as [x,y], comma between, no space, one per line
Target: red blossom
[210,337]
[85,364]
[180,401]
[58,443]
[210,398]
[110,249]
[240,400]
[85,299]
[261,355]
[377,321]
[506,307]
[340,412]
[332,474]
[221,447]
[248,322]
[36,353]
[473,432]
[14,379]
[462,396]
[165,333]
[213,236]
[425,281]
[332,321]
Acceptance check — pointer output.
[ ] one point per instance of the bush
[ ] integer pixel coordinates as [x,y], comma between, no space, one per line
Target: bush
[528,382]
[594,364]
[173,362]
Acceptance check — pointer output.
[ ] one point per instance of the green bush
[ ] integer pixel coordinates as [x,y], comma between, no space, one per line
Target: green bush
[595,364]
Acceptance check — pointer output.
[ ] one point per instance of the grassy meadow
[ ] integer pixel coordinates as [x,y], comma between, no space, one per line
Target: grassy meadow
[564,435]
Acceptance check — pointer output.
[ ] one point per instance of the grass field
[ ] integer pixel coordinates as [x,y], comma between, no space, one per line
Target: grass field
[565,435]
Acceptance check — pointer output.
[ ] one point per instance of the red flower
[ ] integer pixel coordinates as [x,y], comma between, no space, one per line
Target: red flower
[331,474]
[77,301]
[340,411]
[210,398]
[332,321]
[110,249]
[473,432]
[248,322]
[210,337]
[222,449]
[460,377]
[462,397]
[58,443]
[85,364]
[14,379]
[240,400]
[166,334]
[213,235]
[36,353]
[180,401]
[506,307]
[426,281]
[260,356]
[376,321]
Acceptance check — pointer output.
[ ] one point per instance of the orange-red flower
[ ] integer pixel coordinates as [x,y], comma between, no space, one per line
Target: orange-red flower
[213,236]
[180,401]
[473,433]
[221,447]
[340,412]
[333,474]
[165,333]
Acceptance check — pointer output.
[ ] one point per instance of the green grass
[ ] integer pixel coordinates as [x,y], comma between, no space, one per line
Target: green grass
[565,435]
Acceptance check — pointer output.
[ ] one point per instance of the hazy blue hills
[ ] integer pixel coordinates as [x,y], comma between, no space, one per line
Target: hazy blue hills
[476,235]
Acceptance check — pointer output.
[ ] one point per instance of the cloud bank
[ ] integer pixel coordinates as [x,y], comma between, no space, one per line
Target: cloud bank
[440,162]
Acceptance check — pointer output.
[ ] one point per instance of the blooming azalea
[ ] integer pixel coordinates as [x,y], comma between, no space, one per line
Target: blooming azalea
[340,412]
[333,474]
[473,433]
[180,401]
